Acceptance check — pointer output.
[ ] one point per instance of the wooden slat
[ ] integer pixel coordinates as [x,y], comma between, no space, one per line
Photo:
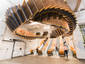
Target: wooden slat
[27,9]
[39,4]
[11,27]
[21,14]
[16,15]
[12,21]
[32,6]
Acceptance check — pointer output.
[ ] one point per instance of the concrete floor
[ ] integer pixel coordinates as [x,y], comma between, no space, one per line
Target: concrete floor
[42,60]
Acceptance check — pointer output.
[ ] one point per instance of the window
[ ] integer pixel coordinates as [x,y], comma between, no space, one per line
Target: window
[82,28]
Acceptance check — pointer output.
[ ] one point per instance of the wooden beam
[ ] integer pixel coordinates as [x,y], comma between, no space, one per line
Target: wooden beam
[77,6]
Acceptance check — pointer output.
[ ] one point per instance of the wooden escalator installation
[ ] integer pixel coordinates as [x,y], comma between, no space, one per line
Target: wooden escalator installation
[55,13]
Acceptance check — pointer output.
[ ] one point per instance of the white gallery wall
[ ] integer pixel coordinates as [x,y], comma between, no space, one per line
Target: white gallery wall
[79,43]
[72,3]
[80,16]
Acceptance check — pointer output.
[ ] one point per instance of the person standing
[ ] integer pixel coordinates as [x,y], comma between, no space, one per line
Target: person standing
[66,50]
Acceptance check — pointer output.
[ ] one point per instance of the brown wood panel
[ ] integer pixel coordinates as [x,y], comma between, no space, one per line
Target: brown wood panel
[27,10]
[39,4]
[32,6]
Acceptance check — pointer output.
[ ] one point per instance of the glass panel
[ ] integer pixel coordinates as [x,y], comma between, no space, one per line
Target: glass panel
[82,28]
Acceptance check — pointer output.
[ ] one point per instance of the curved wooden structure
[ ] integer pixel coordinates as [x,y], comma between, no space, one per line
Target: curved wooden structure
[55,13]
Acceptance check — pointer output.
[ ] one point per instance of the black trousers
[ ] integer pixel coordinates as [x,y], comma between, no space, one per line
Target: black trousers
[66,53]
